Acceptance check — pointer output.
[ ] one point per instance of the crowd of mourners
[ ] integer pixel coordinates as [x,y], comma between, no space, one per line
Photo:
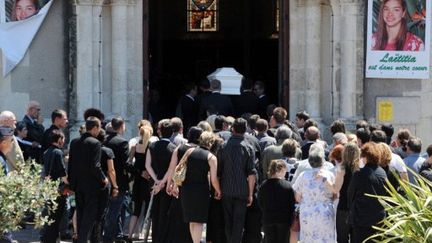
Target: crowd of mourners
[252,175]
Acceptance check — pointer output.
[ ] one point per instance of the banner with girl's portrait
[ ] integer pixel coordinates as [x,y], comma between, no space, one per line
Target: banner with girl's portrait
[398,39]
[19,22]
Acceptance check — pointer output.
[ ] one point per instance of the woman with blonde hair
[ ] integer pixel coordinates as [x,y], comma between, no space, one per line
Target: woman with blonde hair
[195,192]
[276,199]
[385,159]
[141,185]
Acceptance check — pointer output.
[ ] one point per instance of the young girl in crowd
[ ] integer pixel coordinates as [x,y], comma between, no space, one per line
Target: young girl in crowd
[276,199]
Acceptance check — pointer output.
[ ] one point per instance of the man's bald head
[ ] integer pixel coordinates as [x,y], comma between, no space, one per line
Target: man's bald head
[312,133]
[33,109]
[8,119]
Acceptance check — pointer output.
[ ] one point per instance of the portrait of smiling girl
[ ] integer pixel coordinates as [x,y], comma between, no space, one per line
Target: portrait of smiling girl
[392,31]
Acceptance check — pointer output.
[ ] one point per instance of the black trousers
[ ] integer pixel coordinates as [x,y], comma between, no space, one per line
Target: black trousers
[160,208]
[234,215]
[359,234]
[96,235]
[216,223]
[279,233]
[50,233]
[252,227]
[87,209]
[342,227]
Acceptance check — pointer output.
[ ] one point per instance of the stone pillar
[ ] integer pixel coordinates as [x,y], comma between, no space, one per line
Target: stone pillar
[313,58]
[119,13]
[348,59]
[86,79]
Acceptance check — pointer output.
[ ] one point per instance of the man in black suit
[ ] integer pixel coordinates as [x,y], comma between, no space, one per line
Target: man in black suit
[59,121]
[120,146]
[221,104]
[247,101]
[204,87]
[157,162]
[35,129]
[188,107]
[259,90]
[86,177]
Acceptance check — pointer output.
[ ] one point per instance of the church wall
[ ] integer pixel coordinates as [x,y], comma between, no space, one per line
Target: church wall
[344,92]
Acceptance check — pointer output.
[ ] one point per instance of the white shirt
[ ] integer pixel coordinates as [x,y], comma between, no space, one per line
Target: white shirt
[398,164]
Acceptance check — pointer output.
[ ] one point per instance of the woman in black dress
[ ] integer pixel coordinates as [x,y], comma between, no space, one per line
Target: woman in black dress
[177,230]
[141,187]
[195,191]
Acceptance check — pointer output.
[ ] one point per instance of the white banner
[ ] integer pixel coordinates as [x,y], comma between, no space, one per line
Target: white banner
[2,11]
[16,36]
[398,39]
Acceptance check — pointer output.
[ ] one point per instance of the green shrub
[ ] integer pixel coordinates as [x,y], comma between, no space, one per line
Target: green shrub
[22,191]
[409,216]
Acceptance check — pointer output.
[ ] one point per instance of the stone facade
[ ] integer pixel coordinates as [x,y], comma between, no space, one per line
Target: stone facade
[327,79]
[101,65]
[109,59]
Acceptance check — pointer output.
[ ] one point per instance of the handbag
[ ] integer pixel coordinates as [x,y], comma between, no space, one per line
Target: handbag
[180,170]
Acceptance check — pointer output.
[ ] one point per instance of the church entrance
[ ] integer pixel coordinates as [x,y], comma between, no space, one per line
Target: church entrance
[189,39]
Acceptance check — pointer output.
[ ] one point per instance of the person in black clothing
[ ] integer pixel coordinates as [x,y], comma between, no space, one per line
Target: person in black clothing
[188,107]
[86,176]
[237,171]
[259,90]
[276,199]
[54,169]
[120,146]
[301,118]
[312,134]
[141,185]
[219,104]
[195,193]
[107,166]
[59,121]
[247,101]
[178,229]
[204,87]
[33,121]
[366,211]
[157,163]
[347,159]
[349,165]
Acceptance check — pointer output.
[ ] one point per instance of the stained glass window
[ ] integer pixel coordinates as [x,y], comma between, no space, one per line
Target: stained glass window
[202,15]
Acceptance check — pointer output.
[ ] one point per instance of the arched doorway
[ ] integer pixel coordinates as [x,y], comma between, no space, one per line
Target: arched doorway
[248,38]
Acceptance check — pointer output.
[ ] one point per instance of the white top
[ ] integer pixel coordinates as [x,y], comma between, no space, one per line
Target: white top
[397,163]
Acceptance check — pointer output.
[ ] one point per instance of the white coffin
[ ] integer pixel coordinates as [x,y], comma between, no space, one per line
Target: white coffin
[230,80]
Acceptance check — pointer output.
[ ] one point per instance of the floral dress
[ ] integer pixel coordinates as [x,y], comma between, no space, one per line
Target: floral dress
[317,219]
